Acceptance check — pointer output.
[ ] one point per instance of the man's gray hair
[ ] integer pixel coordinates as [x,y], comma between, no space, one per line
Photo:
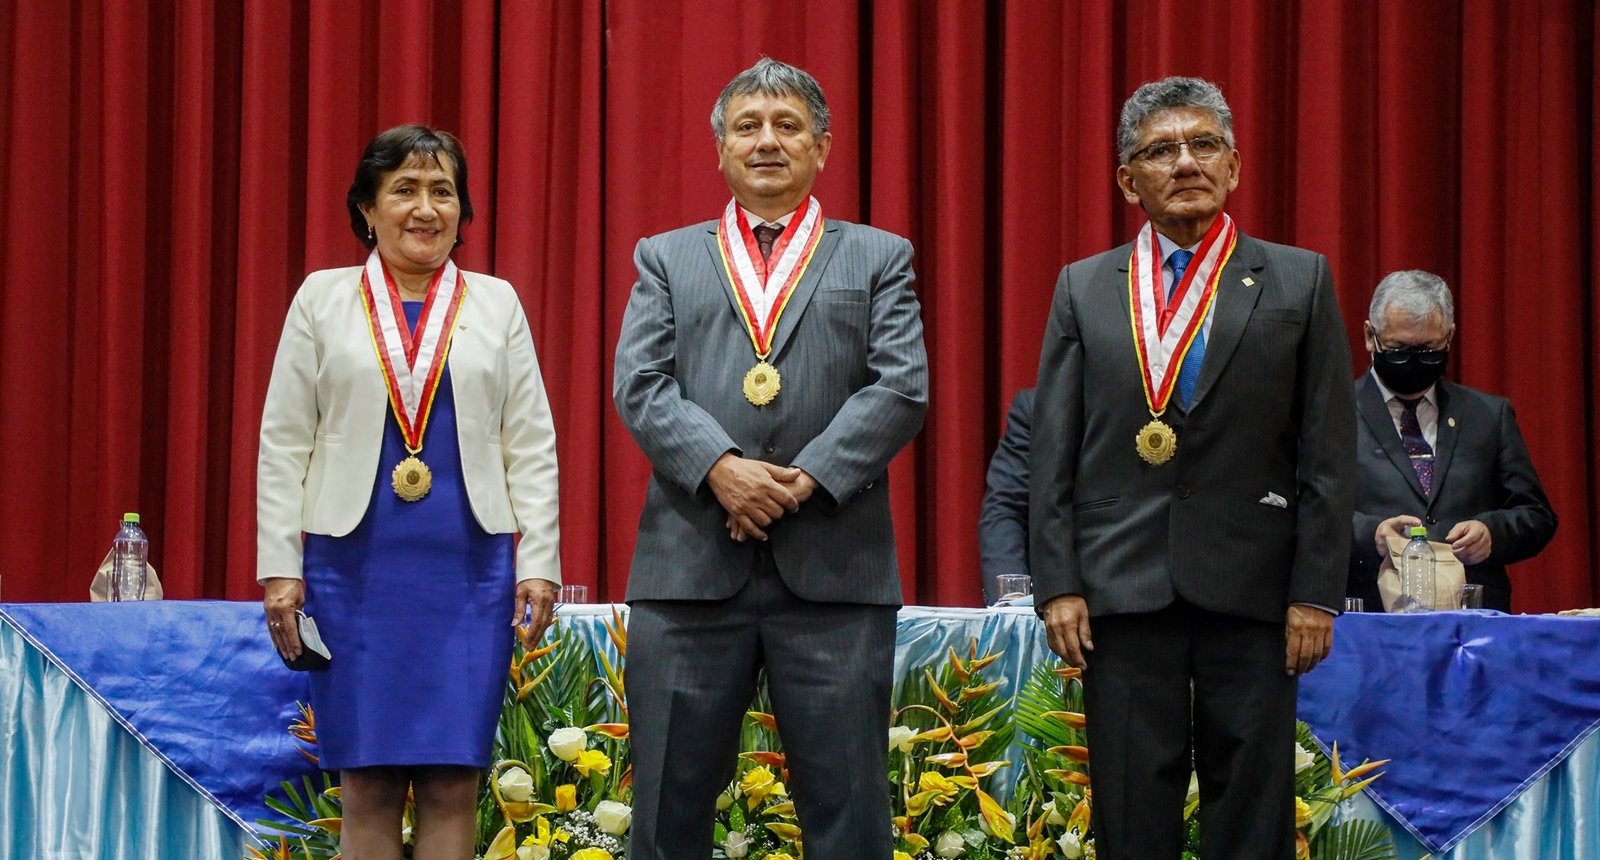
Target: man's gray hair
[1166,94]
[772,78]
[1415,294]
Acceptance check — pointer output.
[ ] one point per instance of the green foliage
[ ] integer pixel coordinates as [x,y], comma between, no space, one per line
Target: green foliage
[1354,840]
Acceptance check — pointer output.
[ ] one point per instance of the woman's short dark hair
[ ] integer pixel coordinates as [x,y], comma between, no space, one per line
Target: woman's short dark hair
[391,150]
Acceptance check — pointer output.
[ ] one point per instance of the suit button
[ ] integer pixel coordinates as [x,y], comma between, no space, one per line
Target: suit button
[1430,520]
[768,447]
[1183,491]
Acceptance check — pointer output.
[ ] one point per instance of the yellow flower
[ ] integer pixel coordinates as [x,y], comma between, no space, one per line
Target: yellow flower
[784,855]
[566,797]
[591,854]
[935,781]
[759,783]
[901,855]
[1302,813]
[593,761]
[1302,848]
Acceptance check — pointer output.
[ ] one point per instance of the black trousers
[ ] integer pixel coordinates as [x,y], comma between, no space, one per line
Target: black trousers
[1161,687]
[692,668]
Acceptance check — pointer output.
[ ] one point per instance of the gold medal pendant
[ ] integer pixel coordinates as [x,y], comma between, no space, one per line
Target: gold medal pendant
[1156,442]
[411,479]
[761,384]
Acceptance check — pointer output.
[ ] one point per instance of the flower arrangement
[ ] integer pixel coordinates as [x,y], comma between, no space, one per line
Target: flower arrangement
[952,729]
[561,785]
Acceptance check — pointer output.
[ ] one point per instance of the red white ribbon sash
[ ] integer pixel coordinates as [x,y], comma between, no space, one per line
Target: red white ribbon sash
[763,293]
[411,365]
[1163,330]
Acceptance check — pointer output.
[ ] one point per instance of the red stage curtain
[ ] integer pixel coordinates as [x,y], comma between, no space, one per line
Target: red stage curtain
[175,168]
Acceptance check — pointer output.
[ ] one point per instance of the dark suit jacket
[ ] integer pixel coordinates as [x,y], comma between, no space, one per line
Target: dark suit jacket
[1481,471]
[854,392]
[1003,522]
[1270,420]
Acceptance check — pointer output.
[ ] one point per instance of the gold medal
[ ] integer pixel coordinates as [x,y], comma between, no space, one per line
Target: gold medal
[411,479]
[761,384]
[1156,442]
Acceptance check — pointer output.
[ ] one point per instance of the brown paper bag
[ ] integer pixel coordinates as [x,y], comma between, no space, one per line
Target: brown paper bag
[1448,574]
[100,586]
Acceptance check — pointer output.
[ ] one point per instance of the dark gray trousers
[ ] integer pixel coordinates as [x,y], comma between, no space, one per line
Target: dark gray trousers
[1154,677]
[691,674]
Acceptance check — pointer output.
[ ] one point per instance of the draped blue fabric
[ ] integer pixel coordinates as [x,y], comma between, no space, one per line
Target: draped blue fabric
[1470,707]
[75,784]
[1489,719]
[197,683]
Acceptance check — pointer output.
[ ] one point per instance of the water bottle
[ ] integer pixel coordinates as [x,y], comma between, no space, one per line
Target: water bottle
[129,552]
[1416,574]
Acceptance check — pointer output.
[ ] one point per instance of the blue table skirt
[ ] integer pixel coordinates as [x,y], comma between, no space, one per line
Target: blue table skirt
[112,763]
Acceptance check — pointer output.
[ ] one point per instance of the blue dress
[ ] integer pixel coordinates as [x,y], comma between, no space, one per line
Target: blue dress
[415,606]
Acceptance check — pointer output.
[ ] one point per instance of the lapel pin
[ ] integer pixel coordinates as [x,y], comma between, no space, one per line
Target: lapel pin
[1249,281]
[1450,421]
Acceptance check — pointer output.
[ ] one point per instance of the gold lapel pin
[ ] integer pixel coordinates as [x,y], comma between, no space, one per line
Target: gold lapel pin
[1450,421]
[1249,281]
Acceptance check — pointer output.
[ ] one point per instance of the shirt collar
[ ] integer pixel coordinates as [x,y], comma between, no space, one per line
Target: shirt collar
[1168,246]
[755,220]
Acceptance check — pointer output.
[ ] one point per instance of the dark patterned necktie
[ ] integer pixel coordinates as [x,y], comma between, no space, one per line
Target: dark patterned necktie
[765,236]
[1416,444]
[1189,373]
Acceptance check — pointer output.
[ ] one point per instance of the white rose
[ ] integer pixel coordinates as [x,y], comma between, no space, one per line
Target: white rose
[613,817]
[727,797]
[736,845]
[1071,846]
[950,844]
[568,742]
[1302,758]
[1052,815]
[516,785]
[533,852]
[900,738]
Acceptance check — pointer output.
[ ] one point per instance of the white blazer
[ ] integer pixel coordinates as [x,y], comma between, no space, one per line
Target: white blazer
[322,425]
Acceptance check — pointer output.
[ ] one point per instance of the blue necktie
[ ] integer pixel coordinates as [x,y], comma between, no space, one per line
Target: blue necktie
[1189,373]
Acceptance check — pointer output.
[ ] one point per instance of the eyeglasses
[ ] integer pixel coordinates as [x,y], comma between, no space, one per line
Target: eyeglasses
[1203,148]
[1408,354]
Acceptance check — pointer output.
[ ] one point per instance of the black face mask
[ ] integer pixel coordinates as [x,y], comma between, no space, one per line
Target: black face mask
[1410,370]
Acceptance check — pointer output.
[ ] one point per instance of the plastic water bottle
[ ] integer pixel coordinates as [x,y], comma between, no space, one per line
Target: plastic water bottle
[1416,573]
[129,552]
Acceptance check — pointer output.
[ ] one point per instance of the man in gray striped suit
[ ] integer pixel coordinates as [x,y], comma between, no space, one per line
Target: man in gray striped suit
[770,365]
[1192,481]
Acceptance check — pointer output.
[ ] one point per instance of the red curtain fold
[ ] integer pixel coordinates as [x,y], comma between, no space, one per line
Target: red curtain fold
[176,167]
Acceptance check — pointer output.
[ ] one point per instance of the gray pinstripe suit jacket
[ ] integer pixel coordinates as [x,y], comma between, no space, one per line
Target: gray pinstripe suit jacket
[1273,414]
[854,392]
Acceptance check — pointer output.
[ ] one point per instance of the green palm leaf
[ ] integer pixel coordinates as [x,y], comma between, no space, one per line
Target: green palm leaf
[1354,840]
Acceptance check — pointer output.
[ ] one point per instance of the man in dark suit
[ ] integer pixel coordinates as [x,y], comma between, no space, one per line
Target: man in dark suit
[1003,520]
[1436,454]
[1191,493]
[770,365]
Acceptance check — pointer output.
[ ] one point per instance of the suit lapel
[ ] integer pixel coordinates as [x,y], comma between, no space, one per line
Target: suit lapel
[1374,411]
[801,298]
[722,274]
[1445,436]
[1236,297]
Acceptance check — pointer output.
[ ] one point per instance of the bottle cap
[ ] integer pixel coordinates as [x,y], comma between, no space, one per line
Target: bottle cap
[1417,531]
[130,517]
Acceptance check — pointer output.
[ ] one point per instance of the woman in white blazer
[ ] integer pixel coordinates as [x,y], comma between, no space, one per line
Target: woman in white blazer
[405,440]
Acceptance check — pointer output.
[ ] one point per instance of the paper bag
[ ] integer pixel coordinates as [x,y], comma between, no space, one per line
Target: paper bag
[100,586]
[1448,574]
